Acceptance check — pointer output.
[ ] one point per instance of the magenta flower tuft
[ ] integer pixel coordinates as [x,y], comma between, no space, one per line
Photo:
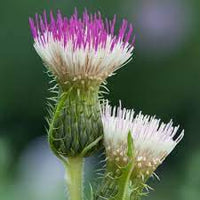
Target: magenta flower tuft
[82,48]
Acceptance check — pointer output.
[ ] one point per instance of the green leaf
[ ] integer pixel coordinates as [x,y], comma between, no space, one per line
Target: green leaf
[131,149]
[116,186]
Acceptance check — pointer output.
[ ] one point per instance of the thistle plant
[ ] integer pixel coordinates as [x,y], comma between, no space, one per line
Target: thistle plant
[80,53]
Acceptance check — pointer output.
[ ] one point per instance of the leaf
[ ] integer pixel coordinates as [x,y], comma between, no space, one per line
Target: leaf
[131,149]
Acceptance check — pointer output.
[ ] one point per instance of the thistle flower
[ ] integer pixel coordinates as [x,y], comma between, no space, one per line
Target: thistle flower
[83,49]
[81,53]
[153,140]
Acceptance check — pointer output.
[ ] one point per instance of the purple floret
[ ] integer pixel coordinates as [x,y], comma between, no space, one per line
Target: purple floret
[89,31]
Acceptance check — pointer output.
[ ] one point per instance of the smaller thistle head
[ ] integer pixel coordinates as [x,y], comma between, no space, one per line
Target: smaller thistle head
[82,51]
[153,140]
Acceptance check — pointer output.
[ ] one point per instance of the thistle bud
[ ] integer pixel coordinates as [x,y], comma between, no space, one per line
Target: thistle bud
[80,53]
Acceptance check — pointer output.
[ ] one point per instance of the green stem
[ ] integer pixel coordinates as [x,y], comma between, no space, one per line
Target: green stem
[74,178]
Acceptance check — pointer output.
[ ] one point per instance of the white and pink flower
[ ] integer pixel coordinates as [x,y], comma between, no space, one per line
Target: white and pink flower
[82,48]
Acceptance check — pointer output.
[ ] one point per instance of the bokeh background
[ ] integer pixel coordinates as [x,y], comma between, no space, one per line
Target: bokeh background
[162,79]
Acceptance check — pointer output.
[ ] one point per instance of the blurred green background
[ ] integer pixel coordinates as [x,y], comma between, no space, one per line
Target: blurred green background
[162,79]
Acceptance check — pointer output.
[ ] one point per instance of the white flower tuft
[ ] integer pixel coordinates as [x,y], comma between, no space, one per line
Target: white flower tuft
[68,63]
[153,140]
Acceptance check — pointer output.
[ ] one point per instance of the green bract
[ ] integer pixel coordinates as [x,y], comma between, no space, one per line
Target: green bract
[76,127]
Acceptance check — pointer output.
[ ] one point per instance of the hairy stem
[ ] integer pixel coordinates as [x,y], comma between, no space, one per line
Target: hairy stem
[74,178]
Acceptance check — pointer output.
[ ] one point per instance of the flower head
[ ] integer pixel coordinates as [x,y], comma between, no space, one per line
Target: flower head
[81,49]
[153,140]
